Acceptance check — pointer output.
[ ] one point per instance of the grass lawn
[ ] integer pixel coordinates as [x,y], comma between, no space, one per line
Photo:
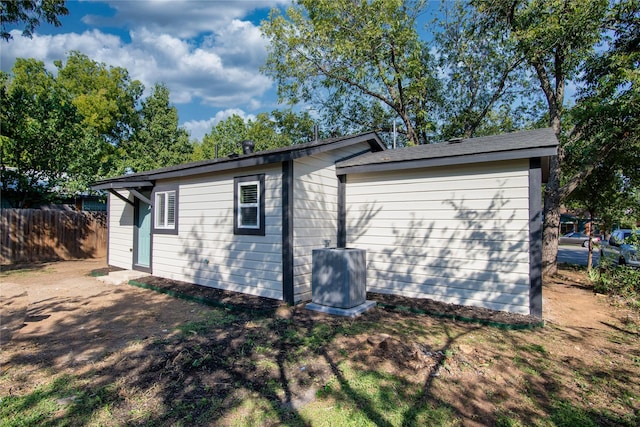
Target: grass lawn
[295,367]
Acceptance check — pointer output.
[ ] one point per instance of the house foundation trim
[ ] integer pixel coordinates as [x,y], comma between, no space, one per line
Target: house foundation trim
[287,232]
[535,237]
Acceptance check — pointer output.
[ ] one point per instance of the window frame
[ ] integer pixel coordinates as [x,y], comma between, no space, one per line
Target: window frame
[238,228]
[165,228]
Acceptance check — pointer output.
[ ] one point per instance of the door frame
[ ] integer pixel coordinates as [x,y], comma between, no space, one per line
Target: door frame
[134,261]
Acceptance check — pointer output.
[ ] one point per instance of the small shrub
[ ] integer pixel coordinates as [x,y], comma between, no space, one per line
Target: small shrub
[621,281]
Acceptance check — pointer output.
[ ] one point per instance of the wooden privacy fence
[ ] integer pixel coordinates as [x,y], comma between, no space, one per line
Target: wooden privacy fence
[33,235]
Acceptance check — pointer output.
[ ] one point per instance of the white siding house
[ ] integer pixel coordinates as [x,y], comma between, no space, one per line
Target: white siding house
[315,210]
[207,252]
[459,223]
[120,224]
[186,222]
[457,234]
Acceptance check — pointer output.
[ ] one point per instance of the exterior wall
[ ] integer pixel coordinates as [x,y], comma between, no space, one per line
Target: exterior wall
[206,252]
[315,211]
[120,241]
[457,234]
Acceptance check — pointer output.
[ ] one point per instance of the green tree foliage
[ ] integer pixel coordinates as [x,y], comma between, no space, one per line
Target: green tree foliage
[30,13]
[107,99]
[106,96]
[158,140]
[487,85]
[361,64]
[555,37]
[39,134]
[223,139]
[607,123]
[293,128]
[280,128]
[82,115]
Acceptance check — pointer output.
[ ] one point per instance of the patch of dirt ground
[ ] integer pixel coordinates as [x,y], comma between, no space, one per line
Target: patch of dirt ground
[157,357]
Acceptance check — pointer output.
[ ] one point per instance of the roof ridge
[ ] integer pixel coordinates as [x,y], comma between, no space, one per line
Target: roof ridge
[371,137]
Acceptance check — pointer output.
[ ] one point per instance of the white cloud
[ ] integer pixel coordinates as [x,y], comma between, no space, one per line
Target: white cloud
[219,73]
[240,42]
[48,48]
[208,53]
[179,18]
[198,128]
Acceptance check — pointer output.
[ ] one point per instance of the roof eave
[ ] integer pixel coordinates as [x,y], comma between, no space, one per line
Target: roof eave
[272,158]
[120,185]
[537,152]
[255,159]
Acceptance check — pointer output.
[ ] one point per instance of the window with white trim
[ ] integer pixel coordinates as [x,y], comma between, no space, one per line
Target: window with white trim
[165,210]
[249,205]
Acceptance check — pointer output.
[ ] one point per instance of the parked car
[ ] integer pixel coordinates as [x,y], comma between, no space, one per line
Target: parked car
[619,250]
[576,238]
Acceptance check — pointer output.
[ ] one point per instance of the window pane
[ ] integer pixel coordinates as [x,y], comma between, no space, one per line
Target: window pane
[249,193]
[249,216]
[160,209]
[171,208]
[248,204]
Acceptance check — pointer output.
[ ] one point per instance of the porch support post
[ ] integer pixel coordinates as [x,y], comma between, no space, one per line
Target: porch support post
[120,196]
[140,196]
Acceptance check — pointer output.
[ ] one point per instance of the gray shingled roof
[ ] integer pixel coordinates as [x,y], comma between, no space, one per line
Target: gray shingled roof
[245,160]
[523,144]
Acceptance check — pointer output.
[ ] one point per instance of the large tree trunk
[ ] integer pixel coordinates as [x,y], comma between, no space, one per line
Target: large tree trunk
[412,135]
[552,195]
[551,224]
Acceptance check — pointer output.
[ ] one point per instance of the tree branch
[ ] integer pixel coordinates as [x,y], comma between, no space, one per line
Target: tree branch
[545,83]
[497,94]
[331,74]
[573,182]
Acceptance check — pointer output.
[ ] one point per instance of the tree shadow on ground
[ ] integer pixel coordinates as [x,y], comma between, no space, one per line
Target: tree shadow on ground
[126,364]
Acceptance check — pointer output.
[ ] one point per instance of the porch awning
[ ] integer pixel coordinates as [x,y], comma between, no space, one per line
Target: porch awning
[131,186]
[122,185]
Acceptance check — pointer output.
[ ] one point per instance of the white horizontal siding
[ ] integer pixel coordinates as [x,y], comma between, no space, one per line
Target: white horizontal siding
[120,231]
[206,251]
[438,240]
[444,182]
[315,211]
[455,234]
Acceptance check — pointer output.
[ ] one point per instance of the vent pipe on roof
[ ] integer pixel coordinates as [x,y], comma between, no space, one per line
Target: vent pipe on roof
[248,146]
[315,133]
[395,134]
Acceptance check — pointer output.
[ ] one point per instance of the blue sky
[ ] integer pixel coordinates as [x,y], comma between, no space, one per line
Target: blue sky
[207,52]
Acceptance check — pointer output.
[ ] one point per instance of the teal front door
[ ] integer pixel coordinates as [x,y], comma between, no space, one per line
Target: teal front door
[142,236]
